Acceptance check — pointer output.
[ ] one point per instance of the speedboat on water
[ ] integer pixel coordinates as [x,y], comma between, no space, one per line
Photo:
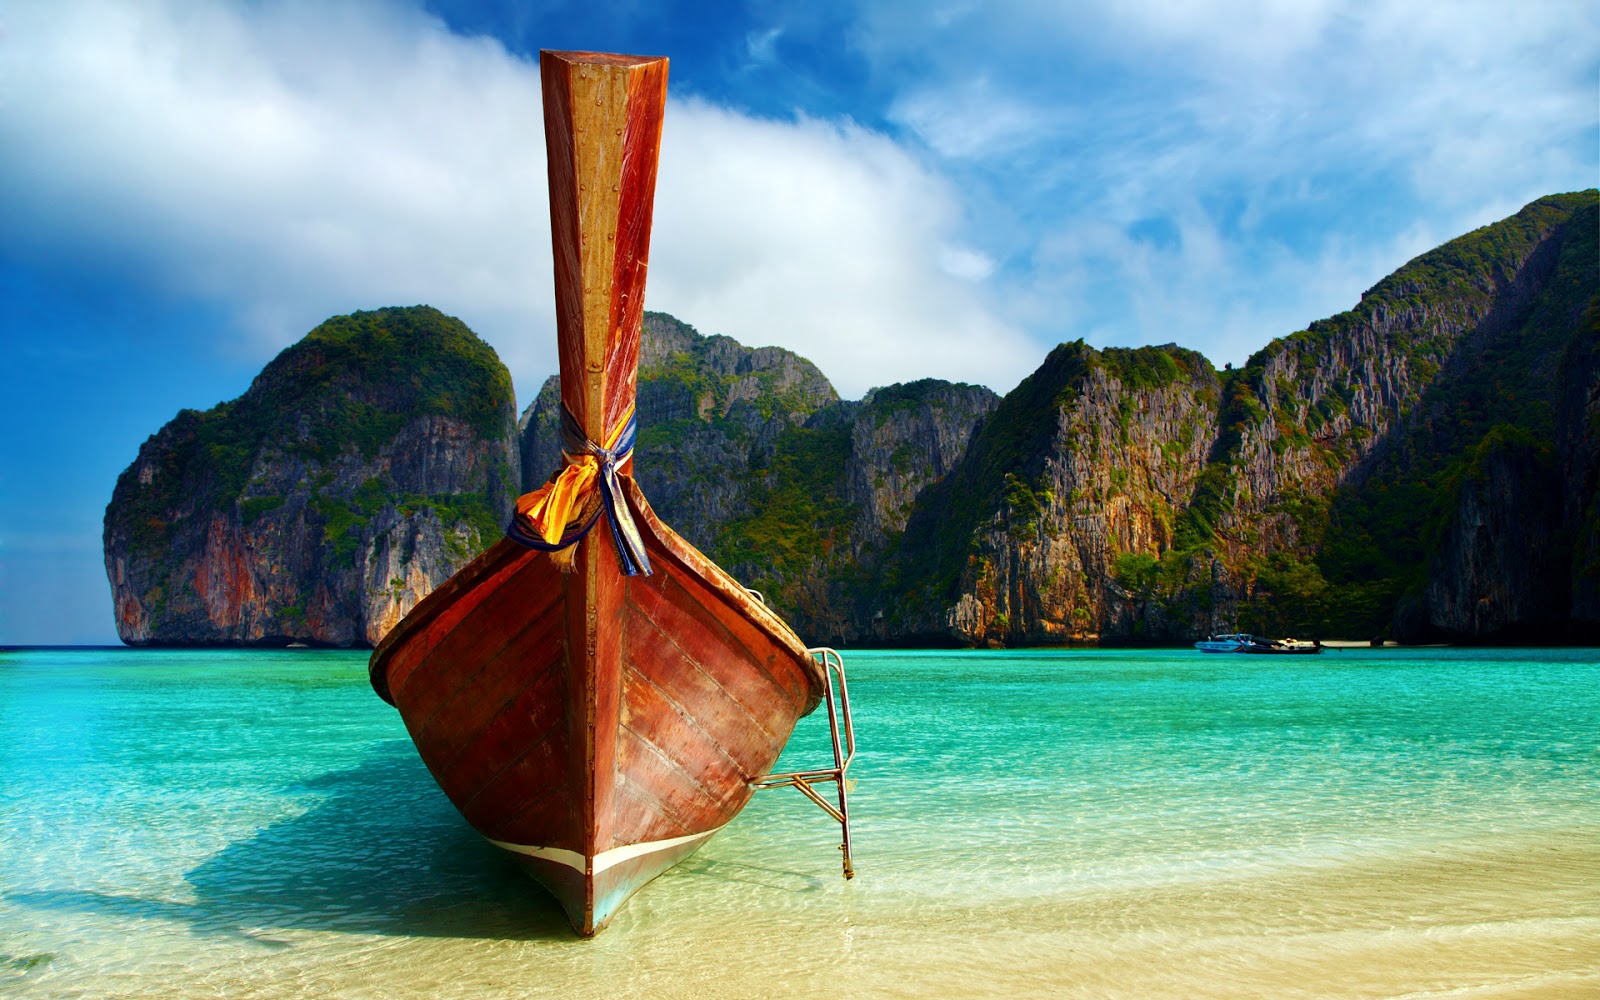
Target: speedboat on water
[1227,642]
[1244,642]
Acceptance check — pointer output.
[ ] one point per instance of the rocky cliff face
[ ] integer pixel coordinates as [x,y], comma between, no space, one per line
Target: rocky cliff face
[903,439]
[1516,554]
[750,455]
[864,466]
[707,408]
[1347,480]
[1578,449]
[1423,466]
[1088,462]
[1500,571]
[363,466]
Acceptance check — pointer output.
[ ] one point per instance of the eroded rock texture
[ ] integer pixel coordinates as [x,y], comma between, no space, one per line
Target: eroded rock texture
[363,466]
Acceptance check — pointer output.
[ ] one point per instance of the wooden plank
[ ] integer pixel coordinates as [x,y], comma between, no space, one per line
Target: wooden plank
[462,675]
[531,794]
[504,729]
[602,135]
[641,145]
[546,817]
[437,615]
[728,721]
[606,675]
[502,669]
[681,799]
[653,718]
[704,637]
[639,817]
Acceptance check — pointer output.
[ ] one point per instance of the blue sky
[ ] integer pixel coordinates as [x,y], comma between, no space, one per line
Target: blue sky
[892,189]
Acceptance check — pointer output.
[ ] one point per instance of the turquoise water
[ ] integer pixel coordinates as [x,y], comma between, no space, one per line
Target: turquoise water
[1090,823]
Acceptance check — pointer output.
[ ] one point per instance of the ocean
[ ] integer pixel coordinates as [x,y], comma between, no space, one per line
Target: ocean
[1083,823]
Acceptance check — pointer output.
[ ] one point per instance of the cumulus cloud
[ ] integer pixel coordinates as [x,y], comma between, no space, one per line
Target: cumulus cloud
[972,119]
[289,161]
[1310,143]
[827,238]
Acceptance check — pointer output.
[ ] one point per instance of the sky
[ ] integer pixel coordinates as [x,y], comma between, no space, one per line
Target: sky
[894,190]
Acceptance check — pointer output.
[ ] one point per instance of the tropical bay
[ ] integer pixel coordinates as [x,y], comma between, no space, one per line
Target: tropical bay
[1368,822]
[1183,420]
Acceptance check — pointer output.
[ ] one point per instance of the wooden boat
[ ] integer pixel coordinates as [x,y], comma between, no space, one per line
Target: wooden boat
[595,695]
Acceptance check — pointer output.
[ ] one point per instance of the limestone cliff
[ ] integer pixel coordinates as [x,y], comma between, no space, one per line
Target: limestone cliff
[750,455]
[1578,449]
[363,466]
[1091,458]
[1356,456]
[1501,569]
[1352,478]
[1423,466]
[829,509]
[1516,557]
[707,408]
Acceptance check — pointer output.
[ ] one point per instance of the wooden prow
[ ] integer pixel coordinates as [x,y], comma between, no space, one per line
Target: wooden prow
[602,126]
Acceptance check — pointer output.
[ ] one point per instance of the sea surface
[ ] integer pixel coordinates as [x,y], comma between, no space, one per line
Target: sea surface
[1366,823]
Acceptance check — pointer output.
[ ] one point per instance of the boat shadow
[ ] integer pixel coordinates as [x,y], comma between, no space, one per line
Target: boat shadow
[383,852]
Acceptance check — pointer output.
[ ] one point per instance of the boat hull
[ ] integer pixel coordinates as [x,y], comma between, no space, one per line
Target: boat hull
[1214,646]
[598,727]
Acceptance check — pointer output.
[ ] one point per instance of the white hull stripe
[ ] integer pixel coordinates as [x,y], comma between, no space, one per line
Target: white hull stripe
[603,860]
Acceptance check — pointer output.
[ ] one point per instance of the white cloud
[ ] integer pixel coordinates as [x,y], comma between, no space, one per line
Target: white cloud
[1297,148]
[971,119]
[965,263]
[827,239]
[288,161]
[295,160]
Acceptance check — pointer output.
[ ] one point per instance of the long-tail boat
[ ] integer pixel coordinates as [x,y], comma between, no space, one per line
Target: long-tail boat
[595,695]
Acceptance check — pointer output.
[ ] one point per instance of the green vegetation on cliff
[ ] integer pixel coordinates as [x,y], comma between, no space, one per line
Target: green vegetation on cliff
[1001,474]
[797,513]
[1140,368]
[349,385]
[364,465]
[1482,390]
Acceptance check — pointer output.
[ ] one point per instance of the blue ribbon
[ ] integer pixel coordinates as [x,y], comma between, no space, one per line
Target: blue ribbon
[624,533]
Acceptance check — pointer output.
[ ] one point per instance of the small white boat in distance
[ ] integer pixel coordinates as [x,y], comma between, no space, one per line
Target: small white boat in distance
[1227,642]
[1244,642]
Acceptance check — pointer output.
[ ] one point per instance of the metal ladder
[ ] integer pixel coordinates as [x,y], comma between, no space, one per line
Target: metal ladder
[844,751]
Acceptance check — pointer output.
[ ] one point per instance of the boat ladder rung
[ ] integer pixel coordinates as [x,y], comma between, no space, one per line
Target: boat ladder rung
[844,751]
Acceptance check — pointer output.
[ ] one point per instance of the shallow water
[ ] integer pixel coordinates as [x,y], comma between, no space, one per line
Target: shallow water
[1367,823]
